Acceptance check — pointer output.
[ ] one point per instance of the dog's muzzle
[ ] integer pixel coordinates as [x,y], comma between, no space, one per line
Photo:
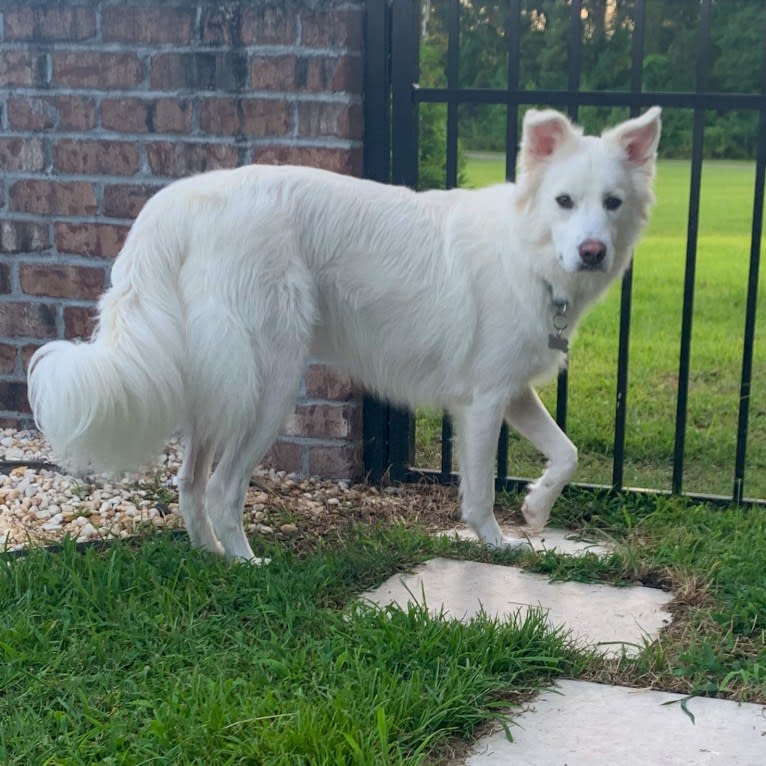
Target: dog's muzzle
[592,255]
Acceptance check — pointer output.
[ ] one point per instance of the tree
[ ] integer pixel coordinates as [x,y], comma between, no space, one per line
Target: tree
[670,55]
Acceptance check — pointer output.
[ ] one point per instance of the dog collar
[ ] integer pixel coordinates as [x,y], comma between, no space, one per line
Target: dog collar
[556,340]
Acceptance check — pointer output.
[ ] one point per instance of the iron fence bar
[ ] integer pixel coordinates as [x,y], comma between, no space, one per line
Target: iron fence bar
[698,135]
[513,36]
[750,316]
[574,68]
[626,295]
[377,87]
[748,345]
[453,81]
[405,50]
[377,166]
[562,98]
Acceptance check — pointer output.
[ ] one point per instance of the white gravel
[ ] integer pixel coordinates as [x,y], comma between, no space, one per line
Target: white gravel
[41,505]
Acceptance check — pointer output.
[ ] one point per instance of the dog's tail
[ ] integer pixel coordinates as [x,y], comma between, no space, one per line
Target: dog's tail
[112,403]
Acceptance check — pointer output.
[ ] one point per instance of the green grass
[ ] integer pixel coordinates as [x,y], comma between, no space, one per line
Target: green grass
[719,307]
[713,559]
[154,654]
[147,652]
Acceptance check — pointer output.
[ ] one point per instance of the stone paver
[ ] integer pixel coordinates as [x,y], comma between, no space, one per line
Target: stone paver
[550,539]
[581,723]
[589,724]
[604,616]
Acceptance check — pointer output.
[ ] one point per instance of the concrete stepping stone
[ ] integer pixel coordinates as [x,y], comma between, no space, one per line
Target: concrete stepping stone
[549,539]
[608,618]
[588,724]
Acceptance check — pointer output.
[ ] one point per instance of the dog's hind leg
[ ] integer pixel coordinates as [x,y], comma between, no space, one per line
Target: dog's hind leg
[231,477]
[529,417]
[192,480]
[477,429]
[226,495]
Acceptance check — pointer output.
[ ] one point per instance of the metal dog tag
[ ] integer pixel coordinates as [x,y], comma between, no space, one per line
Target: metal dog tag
[558,343]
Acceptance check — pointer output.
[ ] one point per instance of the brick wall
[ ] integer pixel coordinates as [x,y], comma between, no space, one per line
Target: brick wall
[103,102]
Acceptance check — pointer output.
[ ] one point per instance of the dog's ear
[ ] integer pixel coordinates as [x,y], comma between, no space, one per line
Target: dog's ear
[544,132]
[638,138]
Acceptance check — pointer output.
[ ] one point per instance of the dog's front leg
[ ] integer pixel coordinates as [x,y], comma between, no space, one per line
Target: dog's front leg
[477,428]
[529,417]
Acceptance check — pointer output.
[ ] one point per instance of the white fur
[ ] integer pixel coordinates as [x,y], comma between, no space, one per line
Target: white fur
[229,280]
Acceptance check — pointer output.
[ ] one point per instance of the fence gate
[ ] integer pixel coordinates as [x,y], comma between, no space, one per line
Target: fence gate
[392,99]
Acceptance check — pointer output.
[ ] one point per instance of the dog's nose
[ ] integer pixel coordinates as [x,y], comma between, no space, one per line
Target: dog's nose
[592,253]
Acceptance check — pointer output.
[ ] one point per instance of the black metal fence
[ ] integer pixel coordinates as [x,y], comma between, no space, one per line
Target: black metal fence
[392,99]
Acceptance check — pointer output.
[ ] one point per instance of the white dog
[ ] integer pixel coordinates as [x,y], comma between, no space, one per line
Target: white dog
[462,299]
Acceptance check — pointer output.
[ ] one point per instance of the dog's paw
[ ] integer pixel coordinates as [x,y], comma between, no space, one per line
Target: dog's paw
[514,543]
[490,534]
[537,507]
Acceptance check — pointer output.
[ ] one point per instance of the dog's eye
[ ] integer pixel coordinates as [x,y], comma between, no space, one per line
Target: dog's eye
[565,201]
[612,203]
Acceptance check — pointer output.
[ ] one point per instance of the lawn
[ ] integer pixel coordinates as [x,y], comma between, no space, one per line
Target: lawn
[718,326]
[148,652]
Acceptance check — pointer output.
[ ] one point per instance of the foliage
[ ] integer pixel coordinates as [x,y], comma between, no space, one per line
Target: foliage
[731,62]
[432,139]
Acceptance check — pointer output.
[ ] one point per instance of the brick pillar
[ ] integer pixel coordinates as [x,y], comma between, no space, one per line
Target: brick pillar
[101,104]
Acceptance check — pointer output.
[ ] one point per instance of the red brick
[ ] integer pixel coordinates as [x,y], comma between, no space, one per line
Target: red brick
[96,69]
[26,355]
[50,24]
[79,322]
[272,72]
[173,115]
[347,161]
[270,24]
[342,462]
[13,396]
[7,358]
[102,240]
[53,198]
[199,71]
[5,278]
[285,456]
[322,118]
[173,159]
[125,115]
[33,320]
[61,281]
[19,422]
[22,68]
[119,158]
[22,154]
[334,74]
[76,112]
[27,113]
[147,24]
[23,236]
[325,382]
[249,117]
[324,421]
[331,28]
[126,201]
[46,113]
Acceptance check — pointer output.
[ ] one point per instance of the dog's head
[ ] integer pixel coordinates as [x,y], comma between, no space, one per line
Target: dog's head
[590,195]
